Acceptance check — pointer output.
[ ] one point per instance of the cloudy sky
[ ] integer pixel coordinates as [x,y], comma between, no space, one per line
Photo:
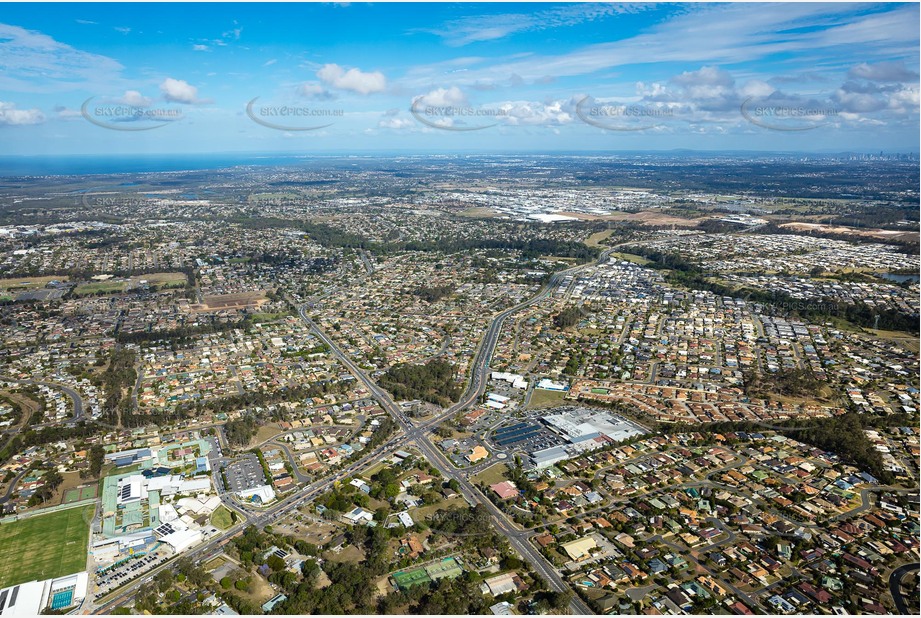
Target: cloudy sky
[201,78]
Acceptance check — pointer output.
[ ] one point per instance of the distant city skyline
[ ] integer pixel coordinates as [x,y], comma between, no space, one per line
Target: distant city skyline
[312,79]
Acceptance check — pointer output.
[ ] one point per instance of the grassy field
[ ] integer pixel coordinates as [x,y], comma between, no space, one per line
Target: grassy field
[77,494]
[906,340]
[28,283]
[266,433]
[213,564]
[349,553]
[541,398]
[262,197]
[492,475]
[478,212]
[421,513]
[629,257]
[596,239]
[367,474]
[44,546]
[162,280]
[220,518]
[111,286]
[269,317]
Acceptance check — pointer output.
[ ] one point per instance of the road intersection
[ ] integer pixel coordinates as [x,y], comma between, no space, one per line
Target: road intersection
[408,434]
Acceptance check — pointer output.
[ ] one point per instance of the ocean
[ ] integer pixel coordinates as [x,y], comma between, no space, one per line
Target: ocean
[74,165]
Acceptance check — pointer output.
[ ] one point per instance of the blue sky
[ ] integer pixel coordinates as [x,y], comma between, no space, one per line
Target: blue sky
[203,78]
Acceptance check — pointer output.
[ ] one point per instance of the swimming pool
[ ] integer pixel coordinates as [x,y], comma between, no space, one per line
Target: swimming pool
[62,599]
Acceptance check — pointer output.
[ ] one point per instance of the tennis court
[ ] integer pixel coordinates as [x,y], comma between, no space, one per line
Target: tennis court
[408,579]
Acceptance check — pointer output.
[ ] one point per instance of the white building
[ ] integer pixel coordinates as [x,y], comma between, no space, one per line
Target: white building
[262,494]
[549,385]
[31,598]
[359,516]
[181,540]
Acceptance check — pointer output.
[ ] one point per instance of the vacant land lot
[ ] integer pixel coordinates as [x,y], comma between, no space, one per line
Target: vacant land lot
[541,398]
[221,518]
[492,475]
[44,546]
[243,300]
[596,239]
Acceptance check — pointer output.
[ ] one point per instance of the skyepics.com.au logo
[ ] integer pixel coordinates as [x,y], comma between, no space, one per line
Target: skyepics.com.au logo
[622,116]
[113,201]
[460,523]
[455,117]
[292,117]
[787,115]
[117,116]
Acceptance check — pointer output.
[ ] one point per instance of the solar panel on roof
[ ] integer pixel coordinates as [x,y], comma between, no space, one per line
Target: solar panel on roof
[511,428]
[516,433]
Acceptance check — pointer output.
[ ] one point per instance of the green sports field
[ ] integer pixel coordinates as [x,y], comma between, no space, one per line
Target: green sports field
[45,546]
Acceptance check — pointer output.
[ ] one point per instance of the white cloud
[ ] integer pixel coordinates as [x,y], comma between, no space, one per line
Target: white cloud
[34,62]
[396,123]
[316,91]
[442,97]
[269,63]
[123,29]
[180,91]
[532,113]
[134,99]
[858,102]
[711,95]
[883,72]
[65,113]
[869,97]
[905,99]
[477,28]
[548,113]
[353,79]
[12,117]
[200,48]
[714,34]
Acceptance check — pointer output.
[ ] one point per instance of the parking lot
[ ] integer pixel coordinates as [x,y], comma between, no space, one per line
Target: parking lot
[523,436]
[128,570]
[244,473]
[216,451]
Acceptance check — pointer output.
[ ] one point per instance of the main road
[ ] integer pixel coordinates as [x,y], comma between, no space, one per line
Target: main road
[74,395]
[895,588]
[261,519]
[410,433]
[417,434]
[480,366]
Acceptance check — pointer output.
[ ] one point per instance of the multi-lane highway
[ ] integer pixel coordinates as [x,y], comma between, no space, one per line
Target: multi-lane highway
[419,434]
[259,519]
[479,369]
[415,434]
